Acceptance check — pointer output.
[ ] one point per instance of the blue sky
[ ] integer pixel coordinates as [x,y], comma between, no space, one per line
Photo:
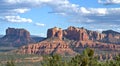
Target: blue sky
[38,15]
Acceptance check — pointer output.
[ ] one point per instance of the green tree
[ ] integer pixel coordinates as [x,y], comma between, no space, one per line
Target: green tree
[54,60]
[85,59]
[75,61]
[10,63]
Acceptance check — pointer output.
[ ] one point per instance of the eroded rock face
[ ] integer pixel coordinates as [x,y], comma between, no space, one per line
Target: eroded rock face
[96,45]
[73,40]
[74,33]
[55,32]
[111,37]
[47,47]
[95,36]
[16,37]
[81,34]
[22,33]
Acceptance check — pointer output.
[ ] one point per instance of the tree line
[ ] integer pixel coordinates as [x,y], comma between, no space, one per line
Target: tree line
[87,58]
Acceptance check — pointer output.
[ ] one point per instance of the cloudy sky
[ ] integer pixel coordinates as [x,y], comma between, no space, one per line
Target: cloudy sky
[38,15]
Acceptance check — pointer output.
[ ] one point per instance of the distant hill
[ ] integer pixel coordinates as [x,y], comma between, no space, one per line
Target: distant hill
[37,38]
[111,37]
[111,32]
[1,36]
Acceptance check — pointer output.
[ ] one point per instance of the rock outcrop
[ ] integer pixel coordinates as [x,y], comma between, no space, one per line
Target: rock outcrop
[55,32]
[95,36]
[75,33]
[111,37]
[77,46]
[48,47]
[21,33]
[74,39]
[16,37]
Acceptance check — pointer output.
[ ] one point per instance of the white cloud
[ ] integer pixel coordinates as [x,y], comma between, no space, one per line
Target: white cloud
[22,10]
[99,30]
[16,19]
[113,25]
[75,12]
[100,11]
[13,7]
[84,10]
[107,2]
[41,35]
[39,24]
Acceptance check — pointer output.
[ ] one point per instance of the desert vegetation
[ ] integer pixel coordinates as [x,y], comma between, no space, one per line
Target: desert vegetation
[85,59]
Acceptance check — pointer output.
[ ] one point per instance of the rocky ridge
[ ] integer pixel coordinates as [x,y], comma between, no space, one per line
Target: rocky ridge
[48,47]
[71,41]
[81,34]
[111,37]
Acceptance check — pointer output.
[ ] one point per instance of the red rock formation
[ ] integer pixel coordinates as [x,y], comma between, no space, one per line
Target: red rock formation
[81,34]
[111,37]
[55,32]
[79,38]
[74,33]
[48,47]
[16,37]
[95,35]
[96,45]
[18,33]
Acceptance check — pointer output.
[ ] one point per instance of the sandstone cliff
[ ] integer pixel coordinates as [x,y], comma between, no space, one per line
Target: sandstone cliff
[16,37]
[82,34]
[55,32]
[48,47]
[75,33]
[72,40]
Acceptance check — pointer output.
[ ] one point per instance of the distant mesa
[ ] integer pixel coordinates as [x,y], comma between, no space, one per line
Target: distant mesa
[16,37]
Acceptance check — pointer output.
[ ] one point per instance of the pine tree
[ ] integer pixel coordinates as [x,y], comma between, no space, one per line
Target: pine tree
[10,63]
